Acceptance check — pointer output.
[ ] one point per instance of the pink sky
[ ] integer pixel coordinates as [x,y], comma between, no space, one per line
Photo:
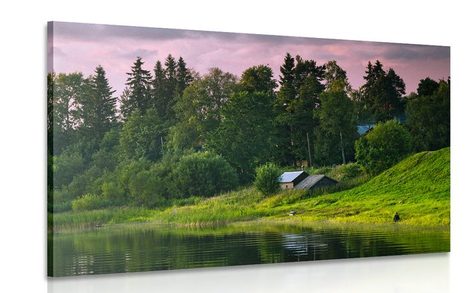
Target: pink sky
[81,47]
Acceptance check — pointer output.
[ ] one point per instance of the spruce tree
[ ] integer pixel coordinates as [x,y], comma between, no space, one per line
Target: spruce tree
[287,90]
[101,115]
[301,84]
[170,75]
[183,77]
[138,83]
[285,96]
[381,95]
[159,90]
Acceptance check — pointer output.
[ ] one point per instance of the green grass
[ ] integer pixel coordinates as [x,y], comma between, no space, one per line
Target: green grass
[418,188]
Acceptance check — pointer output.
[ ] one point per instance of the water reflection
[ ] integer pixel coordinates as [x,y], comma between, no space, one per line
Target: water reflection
[147,248]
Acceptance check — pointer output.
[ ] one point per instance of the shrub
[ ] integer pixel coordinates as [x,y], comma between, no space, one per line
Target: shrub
[88,181]
[113,192]
[203,174]
[346,172]
[66,166]
[57,201]
[383,146]
[267,178]
[89,202]
[146,188]
[140,136]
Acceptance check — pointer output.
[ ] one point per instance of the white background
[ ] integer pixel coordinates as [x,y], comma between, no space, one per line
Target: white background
[22,140]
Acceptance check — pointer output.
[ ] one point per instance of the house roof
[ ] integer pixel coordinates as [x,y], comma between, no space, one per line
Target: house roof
[310,181]
[362,129]
[289,176]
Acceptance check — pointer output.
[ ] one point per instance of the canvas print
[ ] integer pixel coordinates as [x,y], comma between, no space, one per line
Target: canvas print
[179,149]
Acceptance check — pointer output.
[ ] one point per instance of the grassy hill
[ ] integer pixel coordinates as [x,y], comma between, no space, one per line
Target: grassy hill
[418,188]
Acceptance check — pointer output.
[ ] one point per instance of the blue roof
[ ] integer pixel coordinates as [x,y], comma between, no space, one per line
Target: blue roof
[364,128]
[289,176]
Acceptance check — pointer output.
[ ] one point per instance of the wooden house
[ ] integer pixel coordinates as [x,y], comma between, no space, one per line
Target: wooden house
[288,180]
[302,180]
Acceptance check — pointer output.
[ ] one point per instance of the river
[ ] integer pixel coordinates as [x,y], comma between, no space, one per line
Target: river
[145,247]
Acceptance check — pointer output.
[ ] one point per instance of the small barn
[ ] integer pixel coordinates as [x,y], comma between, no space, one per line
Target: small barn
[288,180]
[315,181]
[302,180]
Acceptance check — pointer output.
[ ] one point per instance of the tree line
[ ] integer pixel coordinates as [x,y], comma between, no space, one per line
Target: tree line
[175,133]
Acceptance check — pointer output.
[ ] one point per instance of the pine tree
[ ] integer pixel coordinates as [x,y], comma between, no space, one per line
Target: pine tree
[138,83]
[287,90]
[381,95]
[165,85]
[183,77]
[285,96]
[301,84]
[158,89]
[171,76]
[125,111]
[99,106]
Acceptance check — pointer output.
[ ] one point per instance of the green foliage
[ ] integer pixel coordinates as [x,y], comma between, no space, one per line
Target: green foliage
[141,136]
[152,186]
[258,79]
[146,189]
[66,166]
[58,201]
[381,95]
[203,174]
[337,127]
[167,86]
[89,202]
[95,163]
[88,181]
[97,106]
[126,170]
[184,76]
[427,87]
[64,93]
[428,115]
[199,109]
[418,188]
[106,157]
[383,146]
[335,77]
[347,171]
[245,137]
[301,85]
[341,173]
[113,191]
[139,96]
[267,178]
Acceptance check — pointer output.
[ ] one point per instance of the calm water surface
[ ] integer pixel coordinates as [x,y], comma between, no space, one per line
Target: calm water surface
[132,248]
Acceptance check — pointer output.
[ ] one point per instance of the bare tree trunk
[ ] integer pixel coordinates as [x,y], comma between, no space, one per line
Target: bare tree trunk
[309,149]
[342,149]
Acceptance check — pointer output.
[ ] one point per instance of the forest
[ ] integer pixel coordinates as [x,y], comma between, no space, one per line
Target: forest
[175,135]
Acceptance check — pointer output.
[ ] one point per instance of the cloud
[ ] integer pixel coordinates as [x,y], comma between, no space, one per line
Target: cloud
[133,54]
[81,47]
[412,52]
[101,32]
[57,52]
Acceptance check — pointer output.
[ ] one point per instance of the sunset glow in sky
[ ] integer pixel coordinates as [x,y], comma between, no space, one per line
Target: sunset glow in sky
[81,47]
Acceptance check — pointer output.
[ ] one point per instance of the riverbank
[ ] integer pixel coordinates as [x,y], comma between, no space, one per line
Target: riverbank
[418,188]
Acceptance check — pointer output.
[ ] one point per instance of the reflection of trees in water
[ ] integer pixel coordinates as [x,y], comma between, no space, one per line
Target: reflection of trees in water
[305,245]
[110,251]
